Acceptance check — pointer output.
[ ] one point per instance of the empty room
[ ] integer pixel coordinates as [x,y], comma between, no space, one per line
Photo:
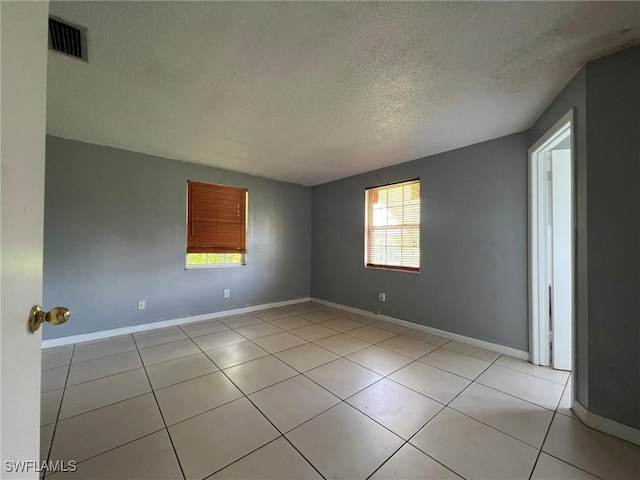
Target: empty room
[314,240]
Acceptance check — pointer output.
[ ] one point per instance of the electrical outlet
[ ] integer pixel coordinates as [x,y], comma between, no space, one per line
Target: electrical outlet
[226,293]
[382,296]
[141,304]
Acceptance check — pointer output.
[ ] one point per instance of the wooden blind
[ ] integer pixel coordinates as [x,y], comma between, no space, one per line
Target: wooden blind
[393,226]
[217,220]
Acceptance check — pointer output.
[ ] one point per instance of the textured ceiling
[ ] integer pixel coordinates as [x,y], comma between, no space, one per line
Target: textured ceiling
[312,92]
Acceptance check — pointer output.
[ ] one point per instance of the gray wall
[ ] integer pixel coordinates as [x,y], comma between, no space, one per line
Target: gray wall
[613,183]
[606,97]
[115,233]
[574,96]
[473,278]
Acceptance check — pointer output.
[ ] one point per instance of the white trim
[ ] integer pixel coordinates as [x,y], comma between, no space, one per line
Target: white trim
[537,254]
[86,337]
[493,347]
[625,432]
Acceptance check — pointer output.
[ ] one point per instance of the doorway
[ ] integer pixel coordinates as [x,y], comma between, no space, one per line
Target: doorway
[551,247]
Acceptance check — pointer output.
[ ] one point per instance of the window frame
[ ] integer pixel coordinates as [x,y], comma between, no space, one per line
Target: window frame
[369,229]
[203,266]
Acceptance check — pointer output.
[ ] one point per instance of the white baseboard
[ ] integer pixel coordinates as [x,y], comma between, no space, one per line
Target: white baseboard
[494,347]
[616,429]
[87,337]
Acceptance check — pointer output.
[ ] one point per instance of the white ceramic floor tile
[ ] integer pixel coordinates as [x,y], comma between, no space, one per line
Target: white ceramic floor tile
[550,468]
[343,377]
[306,357]
[380,360]
[56,357]
[371,334]
[258,330]
[557,376]
[158,337]
[430,381]
[104,391]
[102,348]
[474,450]
[279,341]
[595,452]
[270,315]
[103,367]
[566,402]
[426,337]
[467,367]
[341,324]
[344,443]
[313,332]
[238,321]
[407,346]
[94,432]
[409,463]
[318,316]
[527,387]
[258,374]
[217,340]
[235,354]
[49,406]
[260,465]
[522,420]
[53,378]
[174,371]
[149,458]
[342,344]
[168,351]
[398,408]
[214,439]
[203,328]
[290,323]
[471,351]
[187,399]
[288,404]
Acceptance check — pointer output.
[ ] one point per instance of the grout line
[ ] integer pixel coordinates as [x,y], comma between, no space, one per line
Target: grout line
[164,422]
[535,463]
[431,419]
[267,418]
[530,374]
[55,423]
[153,390]
[100,357]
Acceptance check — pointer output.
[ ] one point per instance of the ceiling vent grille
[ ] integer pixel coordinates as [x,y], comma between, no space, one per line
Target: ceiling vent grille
[68,39]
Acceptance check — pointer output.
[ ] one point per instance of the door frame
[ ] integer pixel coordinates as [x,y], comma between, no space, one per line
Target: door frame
[537,255]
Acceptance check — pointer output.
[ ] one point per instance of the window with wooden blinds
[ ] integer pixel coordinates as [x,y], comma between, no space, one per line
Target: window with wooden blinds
[392,238]
[216,220]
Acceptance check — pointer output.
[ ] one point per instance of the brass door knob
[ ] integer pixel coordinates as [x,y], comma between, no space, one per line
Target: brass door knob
[55,316]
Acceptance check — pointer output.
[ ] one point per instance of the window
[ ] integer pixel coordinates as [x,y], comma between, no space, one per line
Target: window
[216,225]
[392,238]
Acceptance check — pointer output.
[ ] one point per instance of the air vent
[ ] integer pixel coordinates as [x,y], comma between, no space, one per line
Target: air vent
[67,38]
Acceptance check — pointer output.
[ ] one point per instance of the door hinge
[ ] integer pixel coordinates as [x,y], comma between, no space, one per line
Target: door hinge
[549,175]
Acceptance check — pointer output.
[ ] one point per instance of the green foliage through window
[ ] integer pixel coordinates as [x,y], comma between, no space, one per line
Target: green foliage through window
[215,259]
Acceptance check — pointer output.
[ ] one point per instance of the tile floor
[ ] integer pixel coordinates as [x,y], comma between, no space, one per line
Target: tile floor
[308,391]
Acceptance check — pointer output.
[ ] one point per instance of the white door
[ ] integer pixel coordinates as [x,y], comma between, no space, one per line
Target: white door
[23,63]
[561,278]
[551,247]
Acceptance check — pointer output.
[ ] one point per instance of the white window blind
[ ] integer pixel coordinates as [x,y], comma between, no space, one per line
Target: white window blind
[392,238]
